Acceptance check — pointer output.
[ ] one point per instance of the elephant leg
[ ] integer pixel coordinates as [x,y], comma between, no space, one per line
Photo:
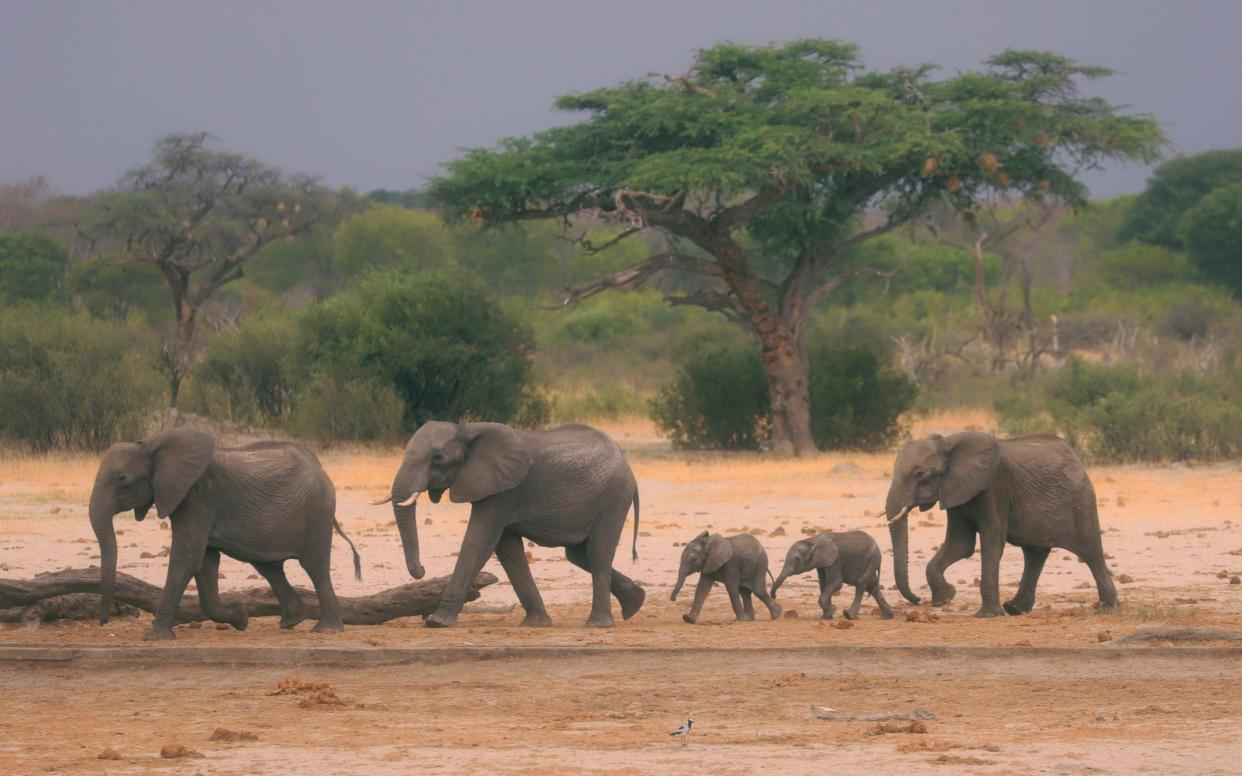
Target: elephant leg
[748,605]
[959,544]
[185,558]
[886,611]
[700,595]
[482,535]
[1033,563]
[852,612]
[209,594]
[992,546]
[831,584]
[735,598]
[774,609]
[1103,582]
[292,610]
[319,569]
[627,592]
[512,557]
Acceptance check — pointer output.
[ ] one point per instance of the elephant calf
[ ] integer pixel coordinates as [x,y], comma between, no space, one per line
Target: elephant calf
[262,504]
[838,557]
[738,561]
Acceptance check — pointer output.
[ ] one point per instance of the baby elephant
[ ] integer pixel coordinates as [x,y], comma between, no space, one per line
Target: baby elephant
[838,557]
[738,561]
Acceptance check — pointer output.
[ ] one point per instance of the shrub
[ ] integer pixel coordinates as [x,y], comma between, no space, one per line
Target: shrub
[719,399]
[32,267]
[440,341]
[67,381]
[329,408]
[242,376]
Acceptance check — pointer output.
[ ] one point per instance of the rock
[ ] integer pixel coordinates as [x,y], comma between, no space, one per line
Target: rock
[108,754]
[790,614]
[1103,636]
[175,751]
[1235,580]
[919,615]
[845,467]
[777,531]
[222,626]
[843,624]
[530,557]
[224,734]
[1125,579]
[426,521]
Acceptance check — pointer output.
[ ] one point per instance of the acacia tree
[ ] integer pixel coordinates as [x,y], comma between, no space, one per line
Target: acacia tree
[772,156]
[198,215]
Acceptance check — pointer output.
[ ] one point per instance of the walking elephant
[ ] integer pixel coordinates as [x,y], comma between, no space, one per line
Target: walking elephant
[839,558]
[740,562]
[1031,491]
[262,504]
[568,487]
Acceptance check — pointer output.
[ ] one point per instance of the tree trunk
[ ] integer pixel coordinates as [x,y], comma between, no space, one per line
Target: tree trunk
[787,368]
[409,600]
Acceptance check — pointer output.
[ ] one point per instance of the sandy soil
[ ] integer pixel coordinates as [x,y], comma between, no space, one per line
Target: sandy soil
[1173,531]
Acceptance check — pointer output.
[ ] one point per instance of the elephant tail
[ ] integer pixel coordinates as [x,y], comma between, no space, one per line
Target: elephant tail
[771,578]
[634,546]
[357,557]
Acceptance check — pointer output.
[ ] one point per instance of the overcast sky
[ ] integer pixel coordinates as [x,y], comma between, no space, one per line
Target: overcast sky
[376,94]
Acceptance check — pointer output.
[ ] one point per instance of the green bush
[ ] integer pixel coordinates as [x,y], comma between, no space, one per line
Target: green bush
[596,403]
[1122,414]
[32,267]
[242,376]
[329,409]
[440,340]
[720,399]
[70,382]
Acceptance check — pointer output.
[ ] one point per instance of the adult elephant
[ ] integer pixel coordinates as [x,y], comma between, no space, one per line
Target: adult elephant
[261,504]
[565,487]
[1031,491]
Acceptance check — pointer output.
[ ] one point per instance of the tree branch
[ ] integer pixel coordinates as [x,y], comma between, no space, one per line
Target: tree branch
[723,302]
[634,275]
[835,282]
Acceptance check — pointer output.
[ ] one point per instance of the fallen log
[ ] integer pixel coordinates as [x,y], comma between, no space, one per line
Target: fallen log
[1180,634]
[409,600]
[832,715]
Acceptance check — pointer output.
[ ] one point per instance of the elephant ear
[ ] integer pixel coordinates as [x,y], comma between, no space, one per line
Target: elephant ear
[973,458]
[496,460]
[178,458]
[824,552]
[719,551]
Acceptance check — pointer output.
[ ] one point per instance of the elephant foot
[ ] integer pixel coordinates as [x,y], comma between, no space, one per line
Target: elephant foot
[440,620]
[777,611]
[1013,607]
[1108,607]
[536,620]
[887,615]
[158,633]
[632,602]
[827,615]
[746,618]
[323,626]
[849,615]
[689,618]
[240,618]
[990,611]
[292,621]
[600,620]
[943,595]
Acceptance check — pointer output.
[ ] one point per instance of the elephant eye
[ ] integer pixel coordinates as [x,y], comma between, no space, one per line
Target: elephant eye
[122,476]
[438,455]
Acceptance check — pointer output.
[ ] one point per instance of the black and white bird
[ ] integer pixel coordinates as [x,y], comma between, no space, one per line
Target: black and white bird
[683,732]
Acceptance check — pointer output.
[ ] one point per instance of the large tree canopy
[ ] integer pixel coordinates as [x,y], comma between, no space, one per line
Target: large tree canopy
[1176,187]
[777,156]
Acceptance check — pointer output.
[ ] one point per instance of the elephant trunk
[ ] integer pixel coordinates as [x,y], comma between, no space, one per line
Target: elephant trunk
[780,580]
[101,514]
[406,486]
[899,533]
[682,573]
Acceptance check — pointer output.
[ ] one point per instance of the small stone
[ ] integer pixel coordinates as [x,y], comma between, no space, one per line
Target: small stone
[777,531]
[426,521]
[1103,636]
[224,734]
[843,624]
[845,467]
[108,754]
[175,751]
[222,626]
[1235,580]
[1125,579]
[194,625]
[790,614]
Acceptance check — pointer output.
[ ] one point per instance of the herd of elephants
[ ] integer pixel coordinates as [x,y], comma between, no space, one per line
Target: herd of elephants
[572,487]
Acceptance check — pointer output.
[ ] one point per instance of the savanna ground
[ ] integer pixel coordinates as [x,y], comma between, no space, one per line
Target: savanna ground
[1174,532]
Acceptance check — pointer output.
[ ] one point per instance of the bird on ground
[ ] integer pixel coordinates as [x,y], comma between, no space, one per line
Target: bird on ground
[683,732]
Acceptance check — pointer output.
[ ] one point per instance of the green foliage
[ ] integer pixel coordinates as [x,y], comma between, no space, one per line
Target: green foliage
[70,382]
[32,267]
[923,265]
[440,340]
[719,399]
[856,402]
[330,408]
[1136,266]
[1212,233]
[284,265]
[242,376]
[1124,414]
[1176,187]
[389,237]
[606,402]
[109,287]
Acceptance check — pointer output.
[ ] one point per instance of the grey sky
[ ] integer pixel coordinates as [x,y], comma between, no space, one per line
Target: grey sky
[374,94]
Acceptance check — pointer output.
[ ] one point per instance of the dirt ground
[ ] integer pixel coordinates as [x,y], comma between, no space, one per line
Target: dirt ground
[1174,532]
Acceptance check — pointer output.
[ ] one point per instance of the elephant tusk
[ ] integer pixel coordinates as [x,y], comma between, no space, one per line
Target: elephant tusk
[381,501]
[900,515]
[412,499]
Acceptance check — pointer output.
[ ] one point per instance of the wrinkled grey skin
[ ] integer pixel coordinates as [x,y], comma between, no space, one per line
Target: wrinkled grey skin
[1031,491]
[261,504]
[568,487]
[739,562]
[845,557]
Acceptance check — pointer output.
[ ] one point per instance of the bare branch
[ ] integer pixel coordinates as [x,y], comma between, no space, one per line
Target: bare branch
[591,248]
[636,274]
[835,282]
[723,302]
